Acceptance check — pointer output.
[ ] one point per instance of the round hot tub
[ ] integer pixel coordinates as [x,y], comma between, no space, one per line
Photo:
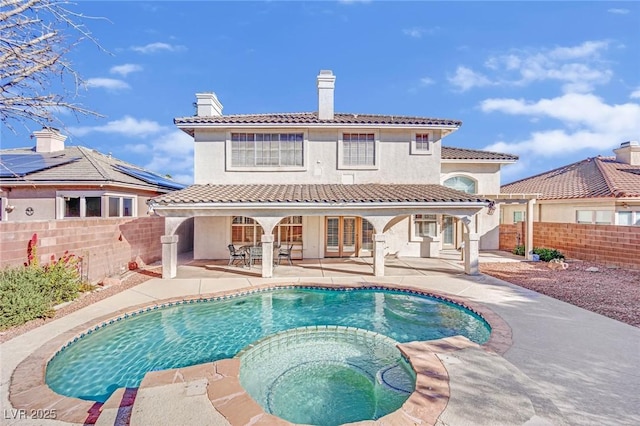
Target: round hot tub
[326,375]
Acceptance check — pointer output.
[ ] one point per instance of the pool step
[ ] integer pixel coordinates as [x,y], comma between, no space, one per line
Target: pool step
[116,411]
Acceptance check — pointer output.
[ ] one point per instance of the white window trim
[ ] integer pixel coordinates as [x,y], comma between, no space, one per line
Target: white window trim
[376,148]
[635,217]
[470,177]
[414,147]
[613,220]
[104,203]
[231,168]
[415,238]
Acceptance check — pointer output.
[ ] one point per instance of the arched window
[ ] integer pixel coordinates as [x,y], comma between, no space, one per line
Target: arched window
[461,183]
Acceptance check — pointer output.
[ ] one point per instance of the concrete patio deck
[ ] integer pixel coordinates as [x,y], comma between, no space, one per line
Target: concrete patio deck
[565,365]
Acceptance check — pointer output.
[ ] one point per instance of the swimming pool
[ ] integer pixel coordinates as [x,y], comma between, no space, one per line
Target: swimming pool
[119,354]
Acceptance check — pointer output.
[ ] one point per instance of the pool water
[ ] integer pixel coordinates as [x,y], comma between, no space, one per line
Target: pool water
[120,354]
[326,375]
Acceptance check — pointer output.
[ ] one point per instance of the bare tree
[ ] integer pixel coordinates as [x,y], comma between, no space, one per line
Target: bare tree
[36,76]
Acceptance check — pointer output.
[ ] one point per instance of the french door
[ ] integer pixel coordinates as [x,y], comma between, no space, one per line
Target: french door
[341,236]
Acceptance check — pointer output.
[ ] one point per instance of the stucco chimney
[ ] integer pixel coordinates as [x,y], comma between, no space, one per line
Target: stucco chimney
[326,84]
[208,105]
[628,153]
[49,140]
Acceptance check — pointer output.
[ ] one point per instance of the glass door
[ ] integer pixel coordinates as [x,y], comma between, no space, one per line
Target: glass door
[448,232]
[341,238]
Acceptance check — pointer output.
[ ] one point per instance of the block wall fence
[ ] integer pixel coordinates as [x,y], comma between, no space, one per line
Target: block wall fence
[107,245]
[607,244]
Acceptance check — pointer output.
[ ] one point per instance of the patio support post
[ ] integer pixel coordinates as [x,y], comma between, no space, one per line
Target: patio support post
[471,253]
[267,255]
[528,246]
[379,241]
[169,256]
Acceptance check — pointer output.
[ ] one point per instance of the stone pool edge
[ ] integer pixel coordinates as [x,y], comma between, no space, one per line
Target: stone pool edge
[28,389]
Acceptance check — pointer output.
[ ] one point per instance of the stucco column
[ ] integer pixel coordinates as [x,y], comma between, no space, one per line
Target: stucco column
[528,245]
[471,253]
[267,255]
[169,256]
[379,243]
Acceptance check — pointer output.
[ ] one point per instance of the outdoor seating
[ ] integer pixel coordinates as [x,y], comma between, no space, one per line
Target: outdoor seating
[255,253]
[285,252]
[235,255]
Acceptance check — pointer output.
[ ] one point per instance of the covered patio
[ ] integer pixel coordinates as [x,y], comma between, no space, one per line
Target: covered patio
[381,205]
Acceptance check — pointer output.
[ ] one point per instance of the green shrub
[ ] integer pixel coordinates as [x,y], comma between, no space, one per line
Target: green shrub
[547,254]
[22,297]
[31,291]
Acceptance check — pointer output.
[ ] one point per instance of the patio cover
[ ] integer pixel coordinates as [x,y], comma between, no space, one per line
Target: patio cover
[269,204]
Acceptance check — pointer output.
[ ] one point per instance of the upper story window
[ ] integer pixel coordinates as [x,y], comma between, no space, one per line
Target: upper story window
[421,144]
[461,183]
[358,151]
[267,149]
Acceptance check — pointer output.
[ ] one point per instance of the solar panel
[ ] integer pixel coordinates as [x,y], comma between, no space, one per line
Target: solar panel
[19,165]
[149,177]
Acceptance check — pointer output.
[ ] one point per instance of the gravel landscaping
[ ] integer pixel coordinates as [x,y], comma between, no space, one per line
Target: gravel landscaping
[612,292]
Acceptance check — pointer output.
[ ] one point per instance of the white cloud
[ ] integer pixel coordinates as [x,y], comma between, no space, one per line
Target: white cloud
[635,94]
[465,78]
[578,68]
[127,126]
[415,32]
[426,81]
[587,123]
[157,47]
[107,83]
[172,153]
[619,11]
[125,69]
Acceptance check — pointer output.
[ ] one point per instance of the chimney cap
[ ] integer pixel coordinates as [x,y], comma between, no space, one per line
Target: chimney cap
[628,143]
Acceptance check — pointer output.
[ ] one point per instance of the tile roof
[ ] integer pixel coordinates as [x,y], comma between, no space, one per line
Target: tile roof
[316,193]
[590,178]
[312,118]
[91,167]
[450,153]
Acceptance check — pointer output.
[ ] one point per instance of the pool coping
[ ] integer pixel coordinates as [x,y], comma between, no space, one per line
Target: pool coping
[29,391]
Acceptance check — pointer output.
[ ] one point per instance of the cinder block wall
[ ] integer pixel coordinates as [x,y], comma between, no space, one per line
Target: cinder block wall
[608,244]
[107,245]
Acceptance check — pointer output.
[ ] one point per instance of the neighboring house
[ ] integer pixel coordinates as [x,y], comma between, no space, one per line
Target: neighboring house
[52,181]
[332,185]
[598,190]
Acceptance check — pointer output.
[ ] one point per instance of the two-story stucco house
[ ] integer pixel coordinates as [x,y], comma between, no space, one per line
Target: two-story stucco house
[331,185]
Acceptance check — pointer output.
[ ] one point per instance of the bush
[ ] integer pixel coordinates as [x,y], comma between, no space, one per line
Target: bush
[22,296]
[545,254]
[31,291]
[519,250]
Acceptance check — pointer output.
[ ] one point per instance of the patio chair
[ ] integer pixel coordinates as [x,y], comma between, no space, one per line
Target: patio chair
[285,252]
[235,255]
[255,253]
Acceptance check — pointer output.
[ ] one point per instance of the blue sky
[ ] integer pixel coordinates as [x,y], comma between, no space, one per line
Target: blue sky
[553,82]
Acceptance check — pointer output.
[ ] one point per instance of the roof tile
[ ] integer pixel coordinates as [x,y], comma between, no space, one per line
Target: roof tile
[590,178]
[315,193]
